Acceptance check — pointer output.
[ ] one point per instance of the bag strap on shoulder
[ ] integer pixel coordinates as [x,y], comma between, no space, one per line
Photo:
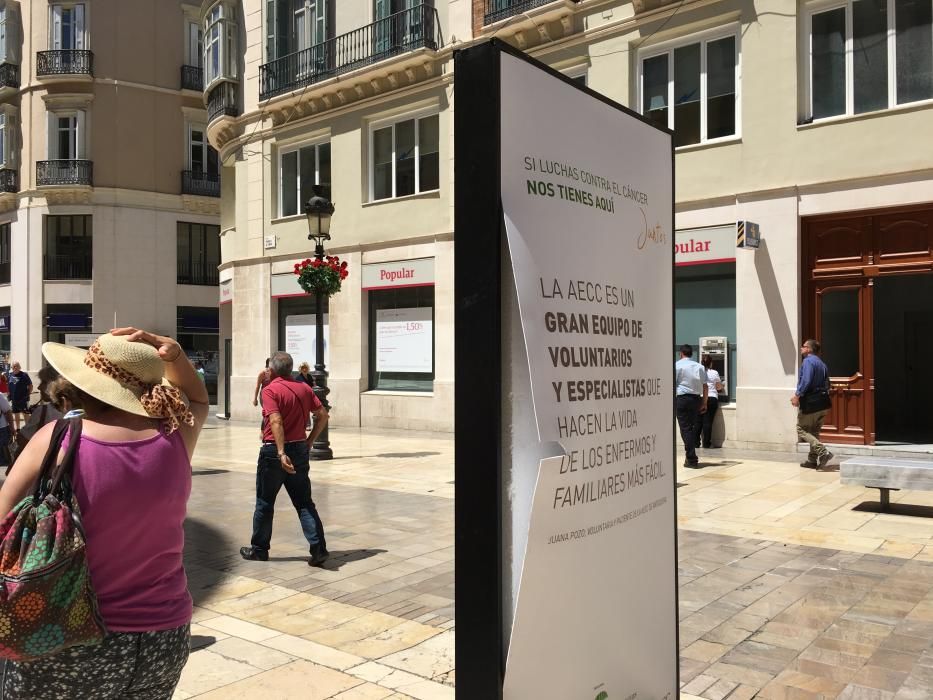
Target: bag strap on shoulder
[51,472]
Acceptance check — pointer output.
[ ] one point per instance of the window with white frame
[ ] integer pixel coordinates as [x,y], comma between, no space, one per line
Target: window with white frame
[404,157]
[866,55]
[220,42]
[202,158]
[66,135]
[9,33]
[8,136]
[194,44]
[68,27]
[692,88]
[301,168]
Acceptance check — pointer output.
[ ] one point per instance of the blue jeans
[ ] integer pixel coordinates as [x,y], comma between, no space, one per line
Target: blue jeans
[270,477]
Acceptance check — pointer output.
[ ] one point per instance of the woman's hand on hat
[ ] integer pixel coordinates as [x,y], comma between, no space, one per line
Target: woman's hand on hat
[169,349]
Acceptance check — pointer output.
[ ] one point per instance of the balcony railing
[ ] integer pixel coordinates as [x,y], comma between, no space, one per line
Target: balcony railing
[192,78]
[497,10]
[68,267]
[203,184]
[64,172]
[5,272]
[405,31]
[65,62]
[201,273]
[9,180]
[9,76]
[222,101]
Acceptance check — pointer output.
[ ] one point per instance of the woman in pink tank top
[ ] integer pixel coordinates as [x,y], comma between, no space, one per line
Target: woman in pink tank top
[144,406]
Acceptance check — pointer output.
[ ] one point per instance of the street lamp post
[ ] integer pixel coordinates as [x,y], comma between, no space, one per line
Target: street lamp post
[319,210]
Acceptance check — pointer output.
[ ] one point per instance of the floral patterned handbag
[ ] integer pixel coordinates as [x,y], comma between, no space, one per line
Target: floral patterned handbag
[46,600]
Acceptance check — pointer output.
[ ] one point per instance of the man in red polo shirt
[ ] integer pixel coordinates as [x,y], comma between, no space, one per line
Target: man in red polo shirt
[283,460]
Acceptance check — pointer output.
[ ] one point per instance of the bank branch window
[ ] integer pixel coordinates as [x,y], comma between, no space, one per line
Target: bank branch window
[867,55]
[692,88]
[405,157]
[300,169]
[401,339]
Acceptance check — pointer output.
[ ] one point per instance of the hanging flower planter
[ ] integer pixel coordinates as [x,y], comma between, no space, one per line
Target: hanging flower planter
[322,276]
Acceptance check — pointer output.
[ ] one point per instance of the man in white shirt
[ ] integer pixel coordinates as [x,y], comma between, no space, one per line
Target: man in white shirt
[692,390]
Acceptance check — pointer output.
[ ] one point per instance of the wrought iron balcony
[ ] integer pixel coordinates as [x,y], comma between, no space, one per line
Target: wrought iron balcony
[203,184]
[9,180]
[498,10]
[200,273]
[65,62]
[76,266]
[222,101]
[405,31]
[65,172]
[9,76]
[192,78]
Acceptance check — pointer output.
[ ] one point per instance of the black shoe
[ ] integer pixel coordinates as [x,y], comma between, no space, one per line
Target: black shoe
[824,459]
[692,465]
[253,554]
[808,464]
[318,556]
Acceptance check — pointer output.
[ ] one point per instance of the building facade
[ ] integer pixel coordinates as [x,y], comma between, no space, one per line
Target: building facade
[110,190]
[811,120]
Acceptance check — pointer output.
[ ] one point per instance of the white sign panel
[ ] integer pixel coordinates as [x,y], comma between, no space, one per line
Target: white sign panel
[587,198]
[226,291]
[704,246]
[301,339]
[80,340]
[405,340]
[401,273]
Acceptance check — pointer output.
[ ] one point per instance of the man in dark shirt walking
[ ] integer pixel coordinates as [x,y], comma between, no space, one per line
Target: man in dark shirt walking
[813,403]
[283,460]
[20,387]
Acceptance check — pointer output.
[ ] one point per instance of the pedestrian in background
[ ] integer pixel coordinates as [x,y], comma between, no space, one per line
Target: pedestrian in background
[284,460]
[813,403]
[304,374]
[262,381]
[44,411]
[692,390]
[20,388]
[143,411]
[705,419]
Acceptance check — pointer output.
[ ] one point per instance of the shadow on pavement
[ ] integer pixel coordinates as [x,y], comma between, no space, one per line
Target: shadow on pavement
[896,509]
[406,455]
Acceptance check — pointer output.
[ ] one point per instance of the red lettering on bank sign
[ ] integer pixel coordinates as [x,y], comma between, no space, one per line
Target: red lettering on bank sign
[403,273]
[692,246]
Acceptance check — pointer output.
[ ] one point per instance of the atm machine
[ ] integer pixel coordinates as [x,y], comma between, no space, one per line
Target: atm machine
[717,347]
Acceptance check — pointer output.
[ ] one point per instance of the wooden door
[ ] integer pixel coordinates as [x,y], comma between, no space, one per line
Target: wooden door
[838,314]
[842,315]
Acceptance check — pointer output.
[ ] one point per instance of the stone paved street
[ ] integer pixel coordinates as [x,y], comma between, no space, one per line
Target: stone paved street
[792,586]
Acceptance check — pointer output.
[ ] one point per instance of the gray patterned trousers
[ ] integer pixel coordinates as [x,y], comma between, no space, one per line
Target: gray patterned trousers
[125,666]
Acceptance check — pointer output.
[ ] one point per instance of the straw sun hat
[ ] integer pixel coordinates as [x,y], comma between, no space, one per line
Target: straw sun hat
[125,375]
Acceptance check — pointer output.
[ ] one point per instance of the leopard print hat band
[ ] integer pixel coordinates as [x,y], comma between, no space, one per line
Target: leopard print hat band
[158,400]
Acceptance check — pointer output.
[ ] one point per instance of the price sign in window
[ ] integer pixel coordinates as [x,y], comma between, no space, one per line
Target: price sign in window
[401,339]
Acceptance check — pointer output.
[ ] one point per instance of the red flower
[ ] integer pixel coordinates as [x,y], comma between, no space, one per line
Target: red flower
[316,264]
[343,264]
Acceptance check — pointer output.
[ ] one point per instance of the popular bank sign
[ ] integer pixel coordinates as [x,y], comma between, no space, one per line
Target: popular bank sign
[704,246]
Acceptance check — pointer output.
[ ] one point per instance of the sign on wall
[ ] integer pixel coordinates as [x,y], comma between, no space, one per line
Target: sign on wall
[398,274]
[565,518]
[301,339]
[747,234]
[405,340]
[704,246]
[80,340]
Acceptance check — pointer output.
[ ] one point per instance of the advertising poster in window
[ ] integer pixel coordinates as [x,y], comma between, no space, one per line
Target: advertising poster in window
[301,339]
[588,219]
[405,340]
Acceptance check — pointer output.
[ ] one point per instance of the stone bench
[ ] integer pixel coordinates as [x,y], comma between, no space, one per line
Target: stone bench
[888,474]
